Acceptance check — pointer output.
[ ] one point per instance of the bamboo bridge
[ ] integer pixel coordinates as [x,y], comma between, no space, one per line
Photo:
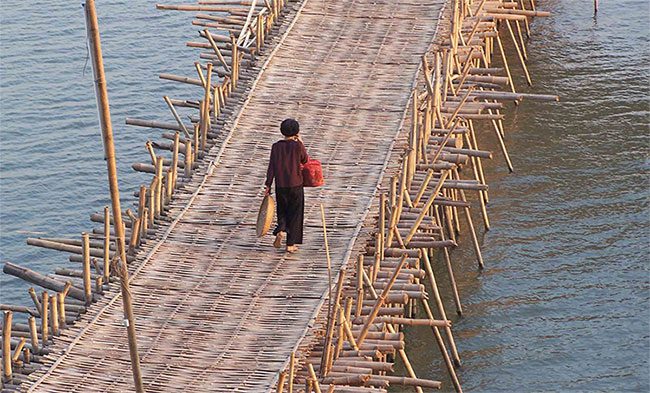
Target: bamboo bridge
[394,98]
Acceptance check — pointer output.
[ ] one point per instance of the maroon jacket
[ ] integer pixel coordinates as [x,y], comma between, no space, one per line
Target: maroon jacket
[284,165]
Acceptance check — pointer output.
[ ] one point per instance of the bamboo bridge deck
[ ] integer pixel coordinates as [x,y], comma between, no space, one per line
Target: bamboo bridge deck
[217,308]
[389,96]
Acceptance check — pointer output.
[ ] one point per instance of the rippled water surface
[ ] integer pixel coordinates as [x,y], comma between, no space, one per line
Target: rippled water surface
[563,304]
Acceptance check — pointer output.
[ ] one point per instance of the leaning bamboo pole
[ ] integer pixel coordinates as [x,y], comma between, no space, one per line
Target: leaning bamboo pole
[109,151]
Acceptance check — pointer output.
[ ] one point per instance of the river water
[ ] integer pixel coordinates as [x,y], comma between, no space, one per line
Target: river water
[563,304]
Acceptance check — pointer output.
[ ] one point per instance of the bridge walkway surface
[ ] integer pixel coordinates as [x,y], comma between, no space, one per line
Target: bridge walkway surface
[218,309]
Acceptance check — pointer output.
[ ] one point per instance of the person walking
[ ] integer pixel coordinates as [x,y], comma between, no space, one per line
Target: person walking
[287,156]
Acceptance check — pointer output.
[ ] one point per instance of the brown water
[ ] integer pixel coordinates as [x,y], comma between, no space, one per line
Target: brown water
[563,304]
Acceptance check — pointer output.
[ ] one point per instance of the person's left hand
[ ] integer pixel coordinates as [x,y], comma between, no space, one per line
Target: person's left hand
[267,190]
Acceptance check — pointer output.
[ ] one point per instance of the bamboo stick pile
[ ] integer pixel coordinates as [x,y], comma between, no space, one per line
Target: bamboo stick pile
[423,208]
[219,309]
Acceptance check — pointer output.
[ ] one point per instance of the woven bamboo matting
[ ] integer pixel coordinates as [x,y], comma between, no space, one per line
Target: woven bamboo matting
[217,308]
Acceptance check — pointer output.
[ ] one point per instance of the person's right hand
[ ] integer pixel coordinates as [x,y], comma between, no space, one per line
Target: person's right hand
[267,190]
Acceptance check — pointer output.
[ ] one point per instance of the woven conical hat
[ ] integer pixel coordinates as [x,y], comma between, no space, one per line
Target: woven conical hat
[265,215]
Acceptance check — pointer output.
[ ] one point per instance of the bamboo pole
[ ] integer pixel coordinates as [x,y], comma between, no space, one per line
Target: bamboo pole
[37,303]
[19,347]
[33,333]
[312,374]
[54,315]
[359,304]
[292,367]
[107,243]
[85,239]
[380,302]
[441,308]
[6,345]
[177,142]
[44,317]
[519,53]
[60,299]
[109,150]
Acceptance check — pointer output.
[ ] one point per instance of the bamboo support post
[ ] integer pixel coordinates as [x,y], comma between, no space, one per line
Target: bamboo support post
[292,368]
[37,302]
[44,317]
[86,267]
[60,299]
[359,304]
[107,243]
[6,345]
[54,315]
[441,308]
[519,53]
[33,334]
[18,350]
[280,387]
[312,374]
[177,143]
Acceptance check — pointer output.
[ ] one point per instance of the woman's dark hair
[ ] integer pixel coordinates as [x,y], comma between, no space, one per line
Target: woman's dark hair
[289,127]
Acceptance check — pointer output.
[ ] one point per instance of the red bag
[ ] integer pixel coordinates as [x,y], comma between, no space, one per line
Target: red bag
[312,174]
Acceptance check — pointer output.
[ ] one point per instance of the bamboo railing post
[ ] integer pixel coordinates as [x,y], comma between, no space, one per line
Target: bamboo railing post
[177,142]
[382,225]
[109,150]
[142,205]
[135,231]
[234,75]
[205,118]
[188,158]
[292,368]
[44,317]
[60,299]
[329,276]
[33,334]
[197,138]
[54,315]
[176,116]
[19,348]
[327,351]
[359,304]
[280,387]
[314,378]
[85,245]
[152,153]
[152,201]
[6,345]
[37,303]
[159,182]
[107,242]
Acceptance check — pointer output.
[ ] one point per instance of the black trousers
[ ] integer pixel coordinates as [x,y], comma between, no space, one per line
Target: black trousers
[290,211]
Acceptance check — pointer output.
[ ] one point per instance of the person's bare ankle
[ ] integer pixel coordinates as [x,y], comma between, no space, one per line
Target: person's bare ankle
[292,248]
[278,239]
